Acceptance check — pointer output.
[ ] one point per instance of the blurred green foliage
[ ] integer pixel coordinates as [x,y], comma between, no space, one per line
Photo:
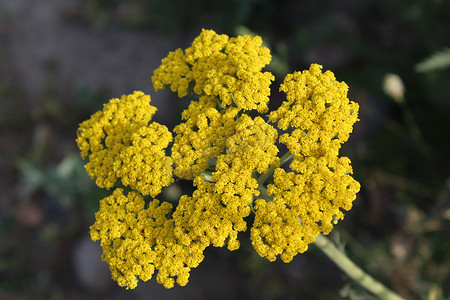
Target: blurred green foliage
[66,183]
[437,61]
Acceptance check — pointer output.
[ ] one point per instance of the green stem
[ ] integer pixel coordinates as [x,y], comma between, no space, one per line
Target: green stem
[265,176]
[285,158]
[207,175]
[269,173]
[263,193]
[355,272]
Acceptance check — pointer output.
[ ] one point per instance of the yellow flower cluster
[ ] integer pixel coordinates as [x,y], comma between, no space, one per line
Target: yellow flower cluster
[120,143]
[215,213]
[304,204]
[230,156]
[219,66]
[137,240]
[317,111]
[307,200]
[202,137]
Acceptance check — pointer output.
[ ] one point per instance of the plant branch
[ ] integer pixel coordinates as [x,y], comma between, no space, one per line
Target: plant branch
[355,272]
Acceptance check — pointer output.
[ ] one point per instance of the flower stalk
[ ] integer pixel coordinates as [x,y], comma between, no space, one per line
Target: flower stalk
[353,271]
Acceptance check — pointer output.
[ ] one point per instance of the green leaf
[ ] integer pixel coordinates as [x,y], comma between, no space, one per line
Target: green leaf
[439,60]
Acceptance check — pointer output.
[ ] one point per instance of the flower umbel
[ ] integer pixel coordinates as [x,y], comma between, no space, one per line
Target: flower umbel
[231,156]
[120,142]
[219,66]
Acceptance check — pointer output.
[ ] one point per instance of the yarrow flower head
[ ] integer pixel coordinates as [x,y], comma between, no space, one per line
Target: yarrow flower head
[232,157]
[317,112]
[219,66]
[121,142]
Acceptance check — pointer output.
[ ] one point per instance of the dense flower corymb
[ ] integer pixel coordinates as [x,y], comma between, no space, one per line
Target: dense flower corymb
[232,158]
[317,110]
[121,144]
[216,65]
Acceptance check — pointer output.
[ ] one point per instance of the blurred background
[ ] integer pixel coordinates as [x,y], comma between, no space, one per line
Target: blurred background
[60,60]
